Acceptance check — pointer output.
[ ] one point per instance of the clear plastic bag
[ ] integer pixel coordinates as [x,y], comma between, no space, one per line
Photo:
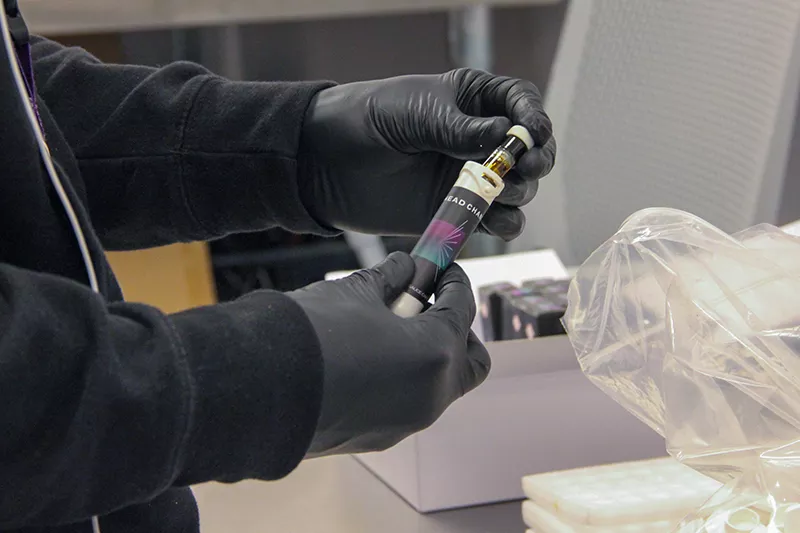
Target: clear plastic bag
[697,333]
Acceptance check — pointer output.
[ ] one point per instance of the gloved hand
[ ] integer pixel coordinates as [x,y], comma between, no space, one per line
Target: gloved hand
[380,156]
[388,377]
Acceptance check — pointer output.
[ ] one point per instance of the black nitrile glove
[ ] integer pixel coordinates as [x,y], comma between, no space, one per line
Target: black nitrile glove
[380,156]
[388,377]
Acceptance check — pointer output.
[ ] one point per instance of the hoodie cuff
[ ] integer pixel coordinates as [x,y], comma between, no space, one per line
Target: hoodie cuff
[257,372]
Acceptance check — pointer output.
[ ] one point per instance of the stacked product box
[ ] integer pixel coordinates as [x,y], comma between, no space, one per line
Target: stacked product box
[532,310]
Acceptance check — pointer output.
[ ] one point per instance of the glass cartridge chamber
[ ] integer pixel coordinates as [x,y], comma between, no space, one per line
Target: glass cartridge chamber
[458,217]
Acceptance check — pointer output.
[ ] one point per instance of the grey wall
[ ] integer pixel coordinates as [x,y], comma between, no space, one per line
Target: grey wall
[351,49]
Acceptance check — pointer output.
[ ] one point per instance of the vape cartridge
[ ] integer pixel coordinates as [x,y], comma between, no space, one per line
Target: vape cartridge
[460,213]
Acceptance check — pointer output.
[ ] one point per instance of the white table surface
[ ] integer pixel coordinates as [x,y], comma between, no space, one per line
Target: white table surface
[60,17]
[337,495]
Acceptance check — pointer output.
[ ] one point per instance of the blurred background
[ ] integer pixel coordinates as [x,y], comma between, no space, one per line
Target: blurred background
[340,40]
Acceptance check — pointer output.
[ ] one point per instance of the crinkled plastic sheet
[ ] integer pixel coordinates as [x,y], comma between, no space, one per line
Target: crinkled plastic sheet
[697,333]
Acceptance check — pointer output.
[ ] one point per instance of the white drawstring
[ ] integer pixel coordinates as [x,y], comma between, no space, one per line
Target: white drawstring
[51,171]
[48,162]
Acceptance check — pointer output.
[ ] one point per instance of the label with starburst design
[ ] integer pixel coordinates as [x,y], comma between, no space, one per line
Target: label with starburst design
[459,215]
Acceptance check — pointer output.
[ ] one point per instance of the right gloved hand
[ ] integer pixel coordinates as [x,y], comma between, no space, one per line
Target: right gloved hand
[380,156]
[388,377]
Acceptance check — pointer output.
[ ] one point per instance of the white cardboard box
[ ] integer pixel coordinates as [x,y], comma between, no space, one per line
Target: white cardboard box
[536,412]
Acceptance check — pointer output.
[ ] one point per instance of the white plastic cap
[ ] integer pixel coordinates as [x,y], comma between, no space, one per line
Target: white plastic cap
[406,306]
[522,134]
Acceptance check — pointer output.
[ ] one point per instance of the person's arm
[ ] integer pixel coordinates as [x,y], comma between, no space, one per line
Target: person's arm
[176,153]
[104,406]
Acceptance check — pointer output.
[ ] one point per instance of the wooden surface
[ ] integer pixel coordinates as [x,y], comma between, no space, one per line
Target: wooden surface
[172,278]
[53,17]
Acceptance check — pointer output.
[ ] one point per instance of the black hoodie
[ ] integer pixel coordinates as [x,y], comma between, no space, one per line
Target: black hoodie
[111,408]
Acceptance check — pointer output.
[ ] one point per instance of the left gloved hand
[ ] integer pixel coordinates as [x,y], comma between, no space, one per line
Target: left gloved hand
[380,388]
[380,156]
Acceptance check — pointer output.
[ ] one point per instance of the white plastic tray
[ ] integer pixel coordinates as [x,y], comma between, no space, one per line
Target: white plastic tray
[638,496]
[542,521]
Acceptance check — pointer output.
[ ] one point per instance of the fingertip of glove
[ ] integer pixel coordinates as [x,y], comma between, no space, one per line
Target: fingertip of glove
[454,295]
[498,127]
[544,129]
[397,270]
[455,274]
[495,134]
[477,137]
[519,189]
[480,362]
[505,222]
[396,263]
[538,163]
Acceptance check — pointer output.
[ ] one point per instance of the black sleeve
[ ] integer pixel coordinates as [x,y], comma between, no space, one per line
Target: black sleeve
[107,405]
[176,153]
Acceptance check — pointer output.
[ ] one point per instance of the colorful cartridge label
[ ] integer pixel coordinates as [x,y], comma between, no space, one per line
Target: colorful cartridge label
[457,218]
